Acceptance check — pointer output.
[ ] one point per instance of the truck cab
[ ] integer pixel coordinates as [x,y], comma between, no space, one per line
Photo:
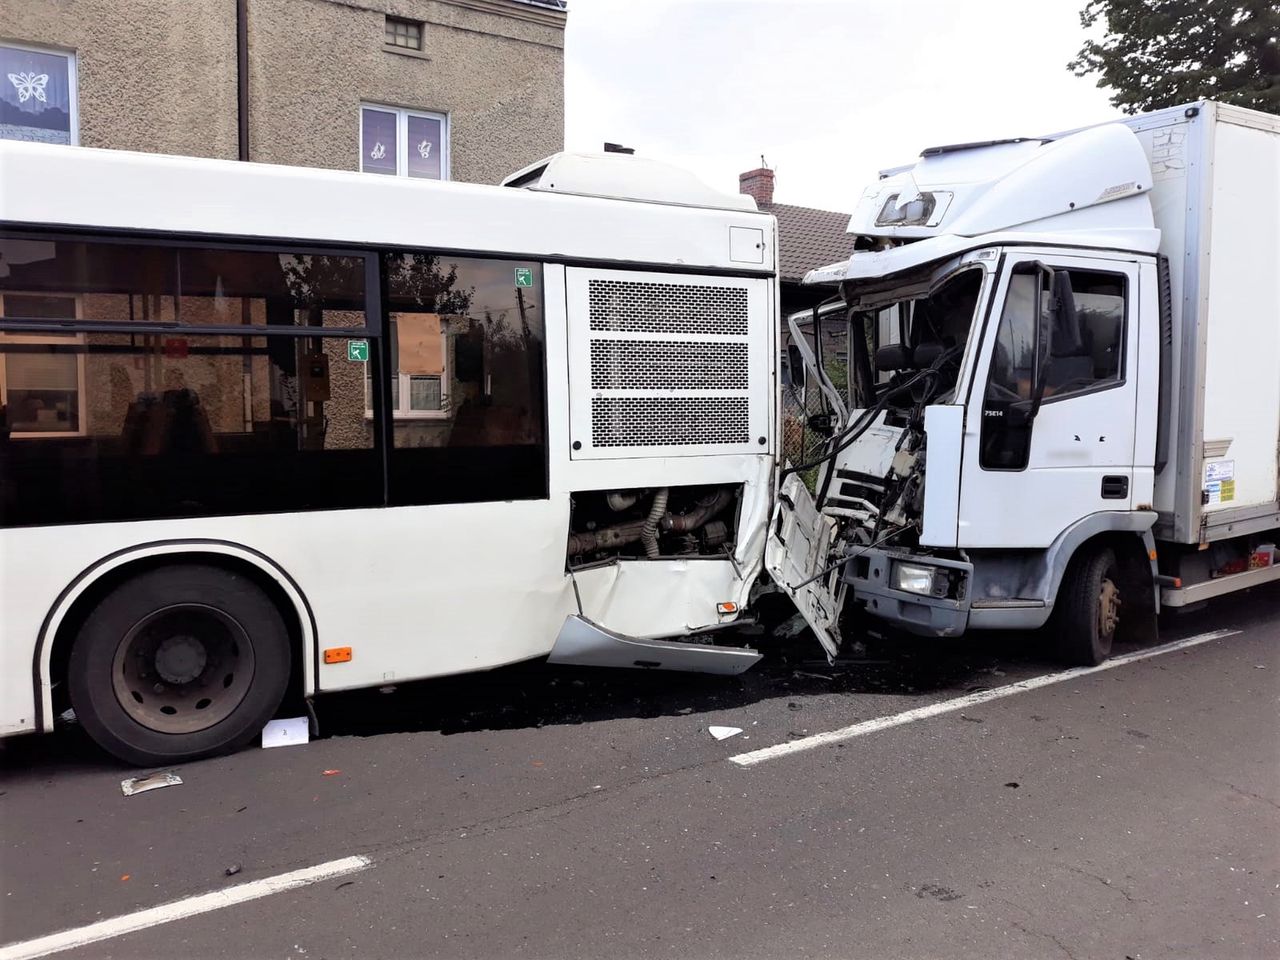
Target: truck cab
[1004,316]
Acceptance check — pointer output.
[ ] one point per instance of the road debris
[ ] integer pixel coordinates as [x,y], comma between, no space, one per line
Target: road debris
[331,773]
[232,870]
[285,733]
[154,782]
[724,733]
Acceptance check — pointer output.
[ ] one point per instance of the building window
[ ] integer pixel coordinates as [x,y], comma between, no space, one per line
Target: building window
[420,365]
[406,143]
[406,34]
[37,95]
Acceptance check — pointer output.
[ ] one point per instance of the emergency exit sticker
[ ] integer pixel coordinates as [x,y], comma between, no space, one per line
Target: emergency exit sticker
[358,351]
[524,277]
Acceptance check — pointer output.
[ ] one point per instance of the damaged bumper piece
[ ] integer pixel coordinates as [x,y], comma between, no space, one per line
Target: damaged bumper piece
[586,644]
[937,605]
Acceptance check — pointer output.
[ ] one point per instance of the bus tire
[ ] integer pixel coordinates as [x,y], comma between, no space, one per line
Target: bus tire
[179,663]
[1088,608]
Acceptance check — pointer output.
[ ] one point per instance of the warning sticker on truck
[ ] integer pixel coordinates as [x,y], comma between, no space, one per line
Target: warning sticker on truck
[1219,482]
[1219,470]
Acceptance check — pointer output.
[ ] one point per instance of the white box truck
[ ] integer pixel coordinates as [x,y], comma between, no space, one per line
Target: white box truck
[1064,382]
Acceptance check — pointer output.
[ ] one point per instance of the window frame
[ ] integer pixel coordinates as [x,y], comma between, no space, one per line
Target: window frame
[374,329]
[402,115]
[371,329]
[72,338]
[73,81]
[1000,299]
[1122,340]
[389,21]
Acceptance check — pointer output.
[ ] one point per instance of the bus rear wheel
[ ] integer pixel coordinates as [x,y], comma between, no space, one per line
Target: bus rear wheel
[179,663]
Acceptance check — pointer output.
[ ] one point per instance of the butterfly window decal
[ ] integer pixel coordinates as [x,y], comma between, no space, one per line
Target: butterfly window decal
[424,149]
[30,85]
[379,151]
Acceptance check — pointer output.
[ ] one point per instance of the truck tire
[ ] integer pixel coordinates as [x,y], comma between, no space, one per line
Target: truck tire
[179,663]
[1088,607]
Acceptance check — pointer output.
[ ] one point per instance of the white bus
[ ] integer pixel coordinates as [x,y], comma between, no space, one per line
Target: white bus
[268,428]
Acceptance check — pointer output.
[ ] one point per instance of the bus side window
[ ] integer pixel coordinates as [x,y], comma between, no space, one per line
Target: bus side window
[128,416]
[466,347]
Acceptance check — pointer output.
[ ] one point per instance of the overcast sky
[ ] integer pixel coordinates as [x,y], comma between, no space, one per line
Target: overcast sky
[829,91]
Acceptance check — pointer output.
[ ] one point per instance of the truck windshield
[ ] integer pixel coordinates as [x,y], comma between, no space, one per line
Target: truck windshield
[902,338]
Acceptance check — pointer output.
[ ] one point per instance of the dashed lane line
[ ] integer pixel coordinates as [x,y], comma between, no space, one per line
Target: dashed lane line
[180,909]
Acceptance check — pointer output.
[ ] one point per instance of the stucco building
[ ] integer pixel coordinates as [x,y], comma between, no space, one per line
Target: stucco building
[457,89]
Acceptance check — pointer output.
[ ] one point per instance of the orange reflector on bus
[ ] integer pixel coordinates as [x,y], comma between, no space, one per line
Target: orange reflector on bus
[726,608]
[337,655]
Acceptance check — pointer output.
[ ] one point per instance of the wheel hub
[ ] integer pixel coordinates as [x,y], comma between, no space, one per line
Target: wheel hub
[183,668]
[180,659]
[1108,608]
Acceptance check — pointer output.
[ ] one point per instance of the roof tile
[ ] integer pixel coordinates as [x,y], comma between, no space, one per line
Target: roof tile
[809,238]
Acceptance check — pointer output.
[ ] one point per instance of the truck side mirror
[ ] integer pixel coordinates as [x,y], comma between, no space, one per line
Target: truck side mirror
[1057,284]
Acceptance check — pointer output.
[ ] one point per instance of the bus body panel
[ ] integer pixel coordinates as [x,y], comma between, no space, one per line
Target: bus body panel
[120,190]
[416,591]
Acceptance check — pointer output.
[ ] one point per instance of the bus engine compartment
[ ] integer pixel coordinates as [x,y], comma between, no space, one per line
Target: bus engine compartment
[652,523]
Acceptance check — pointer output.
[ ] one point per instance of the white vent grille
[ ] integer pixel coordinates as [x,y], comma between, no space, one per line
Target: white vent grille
[668,421]
[667,365]
[627,306]
[663,365]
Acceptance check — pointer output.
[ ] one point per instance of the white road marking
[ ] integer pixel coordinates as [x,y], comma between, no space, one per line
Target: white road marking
[960,703]
[180,909]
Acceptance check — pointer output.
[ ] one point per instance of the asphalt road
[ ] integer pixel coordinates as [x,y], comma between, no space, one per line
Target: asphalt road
[1129,813]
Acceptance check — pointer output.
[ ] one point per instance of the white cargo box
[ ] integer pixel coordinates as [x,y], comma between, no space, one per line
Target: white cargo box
[1216,197]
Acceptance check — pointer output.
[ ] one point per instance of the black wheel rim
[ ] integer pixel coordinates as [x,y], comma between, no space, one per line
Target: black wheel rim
[183,668]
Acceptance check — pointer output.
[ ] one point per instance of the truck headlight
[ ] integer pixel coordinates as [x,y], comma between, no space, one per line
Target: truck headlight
[913,578]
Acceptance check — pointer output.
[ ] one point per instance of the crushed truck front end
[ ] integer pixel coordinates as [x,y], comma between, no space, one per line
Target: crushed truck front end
[1003,321]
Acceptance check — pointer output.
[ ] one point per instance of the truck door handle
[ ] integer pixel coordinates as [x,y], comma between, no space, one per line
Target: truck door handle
[1115,488]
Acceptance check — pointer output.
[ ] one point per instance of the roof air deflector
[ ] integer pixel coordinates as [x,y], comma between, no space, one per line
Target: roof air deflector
[976,145]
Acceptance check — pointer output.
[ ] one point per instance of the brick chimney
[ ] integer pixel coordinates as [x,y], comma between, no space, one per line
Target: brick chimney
[757,183]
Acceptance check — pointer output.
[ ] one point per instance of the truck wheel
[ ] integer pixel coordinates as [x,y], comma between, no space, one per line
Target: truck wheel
[179,663]
[1089,608]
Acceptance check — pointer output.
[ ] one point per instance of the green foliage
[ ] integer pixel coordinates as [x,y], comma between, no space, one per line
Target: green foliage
[838,373]
[1160,53]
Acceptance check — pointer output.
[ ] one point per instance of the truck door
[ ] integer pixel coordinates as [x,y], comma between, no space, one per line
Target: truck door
[799,557]
[1029,473]
[798,553]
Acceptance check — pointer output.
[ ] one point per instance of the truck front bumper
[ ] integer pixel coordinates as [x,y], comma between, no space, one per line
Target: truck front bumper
[870,574]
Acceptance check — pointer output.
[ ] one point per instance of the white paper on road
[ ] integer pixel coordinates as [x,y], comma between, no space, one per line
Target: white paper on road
[724,733]
[285,733]
[154,782]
